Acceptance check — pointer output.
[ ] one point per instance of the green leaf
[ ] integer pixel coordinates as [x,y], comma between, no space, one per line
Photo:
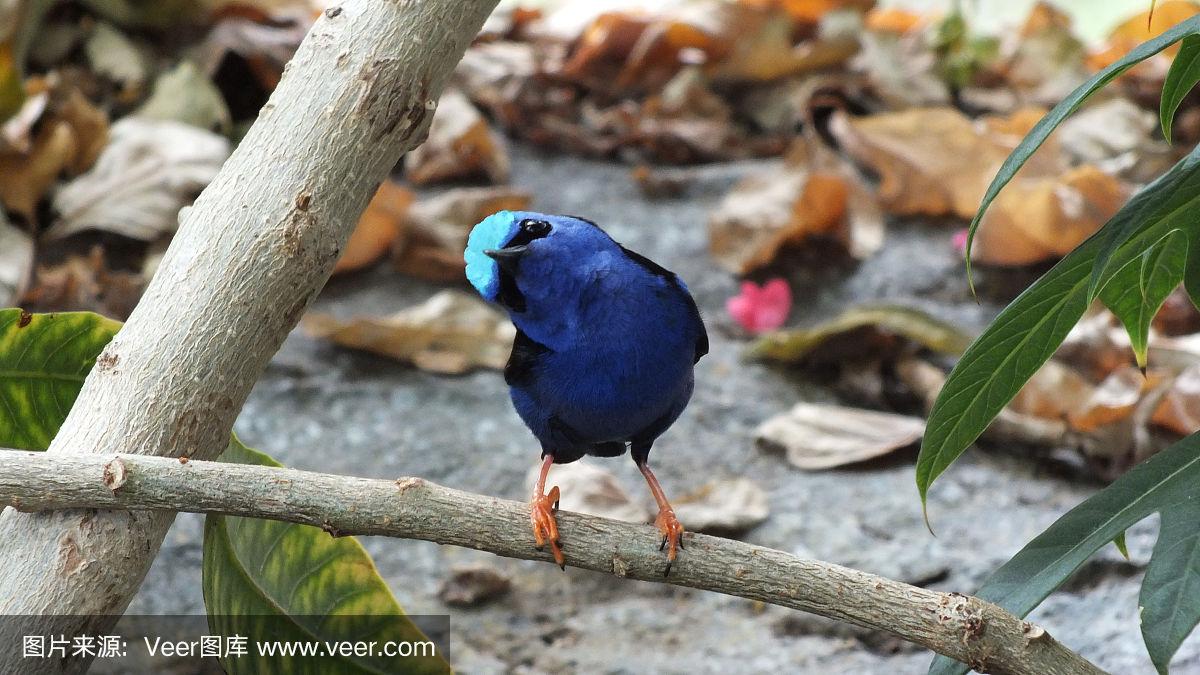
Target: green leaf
[913,324]
[1119,542]
[1164,480]
[1181,78]
[44,359]
[1170,598]
[1137,290]
[268,579]
[1041,131]
[1028,331]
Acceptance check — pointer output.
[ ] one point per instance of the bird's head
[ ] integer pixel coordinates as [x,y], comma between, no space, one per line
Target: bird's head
[513,257]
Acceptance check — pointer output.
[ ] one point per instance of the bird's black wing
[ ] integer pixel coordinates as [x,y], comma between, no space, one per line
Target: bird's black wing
[526,352]
[673,279]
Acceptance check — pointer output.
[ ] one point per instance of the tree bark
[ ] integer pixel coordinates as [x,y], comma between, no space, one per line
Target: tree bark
[249,256]
[962,627]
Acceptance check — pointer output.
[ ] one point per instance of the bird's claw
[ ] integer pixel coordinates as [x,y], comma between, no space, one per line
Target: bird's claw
[545,528]
[672,533]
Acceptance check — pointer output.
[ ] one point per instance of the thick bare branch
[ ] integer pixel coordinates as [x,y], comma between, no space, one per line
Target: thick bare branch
[248,258]
[962,627]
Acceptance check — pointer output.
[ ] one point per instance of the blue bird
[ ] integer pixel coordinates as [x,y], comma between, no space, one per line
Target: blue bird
[605,346]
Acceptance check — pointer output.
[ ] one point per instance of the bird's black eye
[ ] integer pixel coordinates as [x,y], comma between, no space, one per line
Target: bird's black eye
[535,228]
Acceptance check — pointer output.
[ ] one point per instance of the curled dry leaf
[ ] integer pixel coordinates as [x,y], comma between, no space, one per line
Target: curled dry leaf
[726,506]
[587,488]
[936,161]
[1054,392]
[460,146]
[377,228]
[1113,400]
[817,436]
[767,211]
[908,323]
[149,170]
[1139,28]
[451,333]
[436,230]
[1179,410]
[1038,219]
[71,136]
[473,585]
[16,262]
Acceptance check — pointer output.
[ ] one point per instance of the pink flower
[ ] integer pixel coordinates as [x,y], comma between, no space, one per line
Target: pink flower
[960,241]
[759,310]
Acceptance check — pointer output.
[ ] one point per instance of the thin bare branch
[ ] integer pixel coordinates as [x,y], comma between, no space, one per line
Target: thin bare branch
[962,627]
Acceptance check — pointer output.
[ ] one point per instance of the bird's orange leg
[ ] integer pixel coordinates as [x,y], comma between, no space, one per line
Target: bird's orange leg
[666,521]
[541,512]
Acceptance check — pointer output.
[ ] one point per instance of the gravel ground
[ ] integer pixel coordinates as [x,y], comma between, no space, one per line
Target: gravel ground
[324,409]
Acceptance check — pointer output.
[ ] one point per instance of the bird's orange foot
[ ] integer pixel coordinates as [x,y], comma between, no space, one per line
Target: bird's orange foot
[672,533]
[545,527]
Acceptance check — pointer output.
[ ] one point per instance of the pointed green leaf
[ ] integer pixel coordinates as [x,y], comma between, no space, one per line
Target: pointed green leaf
[1028,331]
[1045,563]
[1181,78]
[1137,290]
[44,359]
[268,579]
[1170,598]
[1041,131]
[1119,542]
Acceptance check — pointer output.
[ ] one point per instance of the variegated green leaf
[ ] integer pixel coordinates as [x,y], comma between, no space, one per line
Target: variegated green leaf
[44,359]
[280,581]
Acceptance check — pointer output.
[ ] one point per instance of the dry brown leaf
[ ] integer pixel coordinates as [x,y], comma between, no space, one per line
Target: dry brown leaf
[819,436]
[811,11]
[377,228]
[451,333]
[432,243]
[1037,219]
[149,170]
[1052,393]
[892,20]
[26,178]
[726,506]
[1179,410]
[84,283]
[1114,400]
[460,146]
[586,488]
[936,161]
[72,133]
[1140,28]
[766,211]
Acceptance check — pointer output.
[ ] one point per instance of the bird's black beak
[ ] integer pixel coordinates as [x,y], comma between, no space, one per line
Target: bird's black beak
[507,257]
